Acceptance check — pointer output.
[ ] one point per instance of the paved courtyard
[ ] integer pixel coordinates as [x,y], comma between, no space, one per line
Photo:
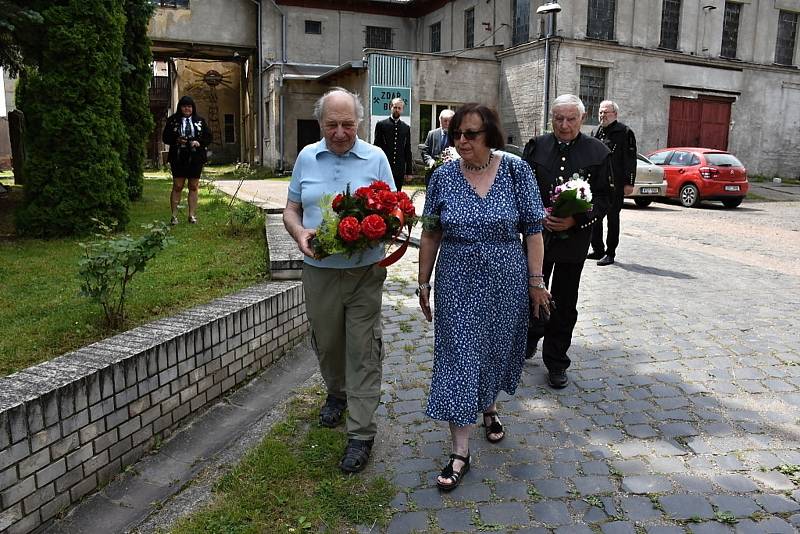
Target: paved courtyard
[683,412]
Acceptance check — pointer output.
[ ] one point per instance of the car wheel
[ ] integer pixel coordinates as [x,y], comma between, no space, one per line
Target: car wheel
[642,202]
[690,196]
[732,202]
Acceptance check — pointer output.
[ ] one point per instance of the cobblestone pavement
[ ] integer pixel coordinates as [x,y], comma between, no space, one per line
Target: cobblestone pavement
[683,411]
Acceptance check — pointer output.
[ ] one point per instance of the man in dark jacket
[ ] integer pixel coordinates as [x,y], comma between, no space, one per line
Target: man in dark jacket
[393,136]
[622,143]
[555,157]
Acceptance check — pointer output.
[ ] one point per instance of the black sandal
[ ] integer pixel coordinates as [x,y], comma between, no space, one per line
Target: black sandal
[452,474]
[356,455]
[331,412]
[496,427]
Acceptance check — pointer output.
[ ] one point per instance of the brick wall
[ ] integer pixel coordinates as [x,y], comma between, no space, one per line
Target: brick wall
[68,426]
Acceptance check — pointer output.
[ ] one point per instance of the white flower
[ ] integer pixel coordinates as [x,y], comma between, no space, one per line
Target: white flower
[449,154]
[577,182]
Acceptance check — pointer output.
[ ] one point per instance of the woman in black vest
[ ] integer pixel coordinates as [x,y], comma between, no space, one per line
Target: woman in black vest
[188,136]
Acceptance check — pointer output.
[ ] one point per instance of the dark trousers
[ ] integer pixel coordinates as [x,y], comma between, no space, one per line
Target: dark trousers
[399,180]
[612,240]
[563,281]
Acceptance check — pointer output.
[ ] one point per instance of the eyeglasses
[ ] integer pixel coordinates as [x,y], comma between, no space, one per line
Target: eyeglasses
[471,136]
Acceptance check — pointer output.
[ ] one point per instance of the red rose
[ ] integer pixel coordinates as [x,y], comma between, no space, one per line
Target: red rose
[373,201]
[379,186]
[337,202]
[362,192]
[388,200]
[373,227]
[349,229]
[407,207]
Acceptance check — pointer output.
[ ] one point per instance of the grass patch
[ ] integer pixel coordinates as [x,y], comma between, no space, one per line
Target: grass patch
[42,314]
[291,483]
[758,178]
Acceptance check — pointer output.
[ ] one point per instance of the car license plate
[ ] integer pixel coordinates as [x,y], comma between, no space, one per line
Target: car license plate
[731,188]
[649,190]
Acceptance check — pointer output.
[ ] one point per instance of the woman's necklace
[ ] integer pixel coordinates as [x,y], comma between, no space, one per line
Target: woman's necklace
[479,168]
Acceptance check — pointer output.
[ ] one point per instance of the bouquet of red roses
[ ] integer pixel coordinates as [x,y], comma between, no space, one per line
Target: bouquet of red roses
[354,222]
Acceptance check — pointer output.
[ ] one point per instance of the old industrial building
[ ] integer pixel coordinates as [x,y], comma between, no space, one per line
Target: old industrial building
[711,73]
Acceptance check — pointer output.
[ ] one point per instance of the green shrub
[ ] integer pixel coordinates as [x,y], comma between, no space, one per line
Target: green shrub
[74,133]
[136,76]
[109,264]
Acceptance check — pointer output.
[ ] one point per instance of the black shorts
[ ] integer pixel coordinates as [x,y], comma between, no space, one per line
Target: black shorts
[187,163]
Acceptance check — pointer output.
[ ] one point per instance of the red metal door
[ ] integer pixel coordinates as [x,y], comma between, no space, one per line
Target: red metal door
[684,116]
[701,122]
[714,123]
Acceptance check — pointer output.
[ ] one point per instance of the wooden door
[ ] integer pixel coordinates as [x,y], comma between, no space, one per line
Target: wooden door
[701,122]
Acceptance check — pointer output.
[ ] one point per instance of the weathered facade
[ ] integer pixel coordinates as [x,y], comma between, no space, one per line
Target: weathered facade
[718,73]
[209,48]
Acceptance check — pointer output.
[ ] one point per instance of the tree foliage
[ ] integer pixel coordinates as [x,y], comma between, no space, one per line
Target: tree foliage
[136,75]
[74,132]
[18,27]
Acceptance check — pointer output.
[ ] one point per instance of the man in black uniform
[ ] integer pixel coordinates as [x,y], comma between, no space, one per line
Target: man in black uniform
[555,157]
[393,136]
[622,143]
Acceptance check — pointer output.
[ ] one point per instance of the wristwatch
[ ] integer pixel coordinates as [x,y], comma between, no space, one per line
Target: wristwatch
[539,285]
[419,289]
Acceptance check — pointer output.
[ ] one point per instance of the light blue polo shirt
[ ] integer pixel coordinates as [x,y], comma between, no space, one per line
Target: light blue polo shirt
[318,171]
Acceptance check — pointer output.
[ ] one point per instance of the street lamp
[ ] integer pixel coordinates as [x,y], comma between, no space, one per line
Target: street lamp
[550,9]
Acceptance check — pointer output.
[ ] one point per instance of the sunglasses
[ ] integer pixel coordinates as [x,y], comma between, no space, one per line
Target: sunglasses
[471,136]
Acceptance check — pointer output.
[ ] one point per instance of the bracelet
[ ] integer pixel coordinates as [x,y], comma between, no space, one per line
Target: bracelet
[424,285]
[535,276]
[540,285]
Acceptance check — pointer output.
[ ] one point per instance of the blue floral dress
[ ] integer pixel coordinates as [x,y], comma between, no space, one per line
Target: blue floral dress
[481,287]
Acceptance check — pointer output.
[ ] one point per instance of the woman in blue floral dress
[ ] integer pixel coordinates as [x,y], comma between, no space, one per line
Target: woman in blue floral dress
[476,208]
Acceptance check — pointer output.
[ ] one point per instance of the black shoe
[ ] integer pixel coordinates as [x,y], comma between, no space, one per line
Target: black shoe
[356,455]
[332,411]
[595,255]
[606,260]
[557,379]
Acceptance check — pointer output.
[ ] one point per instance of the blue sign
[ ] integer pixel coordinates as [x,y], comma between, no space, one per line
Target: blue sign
[382,97]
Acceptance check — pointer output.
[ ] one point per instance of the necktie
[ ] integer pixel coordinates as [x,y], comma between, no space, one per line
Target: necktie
[444,140]
[187,127]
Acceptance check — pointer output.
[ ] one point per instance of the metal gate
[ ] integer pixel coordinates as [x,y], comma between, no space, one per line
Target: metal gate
[701,122]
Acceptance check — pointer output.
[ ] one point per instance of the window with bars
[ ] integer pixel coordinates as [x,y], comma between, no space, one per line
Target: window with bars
[314,27]
[730,29]
[787,36]
[592,90]
[229,132]
[469,27]
[378,37]
[521,10]
[171,3]
[670,22]
[600,23]
[436,37]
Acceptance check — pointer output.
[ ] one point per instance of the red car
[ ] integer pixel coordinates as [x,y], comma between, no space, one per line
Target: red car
[695,174]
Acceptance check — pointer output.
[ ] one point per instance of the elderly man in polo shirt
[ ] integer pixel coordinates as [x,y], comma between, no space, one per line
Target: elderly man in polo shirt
[343,295]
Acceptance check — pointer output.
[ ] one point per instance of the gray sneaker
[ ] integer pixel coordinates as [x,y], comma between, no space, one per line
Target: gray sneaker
[174,220]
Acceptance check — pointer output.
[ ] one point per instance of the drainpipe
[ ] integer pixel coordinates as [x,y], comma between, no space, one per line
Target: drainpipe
[260,91]
[281,105]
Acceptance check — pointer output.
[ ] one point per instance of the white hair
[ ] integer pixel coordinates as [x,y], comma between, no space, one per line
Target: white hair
[611,103]
[568,100]
[319,105]
[398,99]
[446,113]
